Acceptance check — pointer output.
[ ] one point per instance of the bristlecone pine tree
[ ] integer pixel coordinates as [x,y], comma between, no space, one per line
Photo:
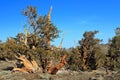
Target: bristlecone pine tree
[89,50]
[114,51]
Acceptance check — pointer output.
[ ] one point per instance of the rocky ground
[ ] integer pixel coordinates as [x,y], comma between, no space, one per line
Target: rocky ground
[6,73]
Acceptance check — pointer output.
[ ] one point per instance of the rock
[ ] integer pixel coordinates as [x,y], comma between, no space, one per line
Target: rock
[97,77]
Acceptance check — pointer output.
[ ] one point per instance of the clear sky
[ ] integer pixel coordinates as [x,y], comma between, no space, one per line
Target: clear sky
[72,17]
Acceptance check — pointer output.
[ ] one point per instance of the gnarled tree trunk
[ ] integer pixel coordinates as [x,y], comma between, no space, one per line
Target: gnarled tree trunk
[54,69]
[29,66]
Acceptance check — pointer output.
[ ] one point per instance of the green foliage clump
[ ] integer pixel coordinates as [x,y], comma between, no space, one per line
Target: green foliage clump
[74,60]
[11,48]
[114,51]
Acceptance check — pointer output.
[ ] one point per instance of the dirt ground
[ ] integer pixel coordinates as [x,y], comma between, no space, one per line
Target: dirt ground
[6,73]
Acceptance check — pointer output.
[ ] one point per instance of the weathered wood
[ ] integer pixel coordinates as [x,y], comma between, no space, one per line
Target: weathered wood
[54,69]
[29,66]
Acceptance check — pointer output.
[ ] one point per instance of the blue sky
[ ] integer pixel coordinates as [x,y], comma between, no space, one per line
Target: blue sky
[72,17]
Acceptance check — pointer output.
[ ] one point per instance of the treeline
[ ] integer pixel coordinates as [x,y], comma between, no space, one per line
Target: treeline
[90,54]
